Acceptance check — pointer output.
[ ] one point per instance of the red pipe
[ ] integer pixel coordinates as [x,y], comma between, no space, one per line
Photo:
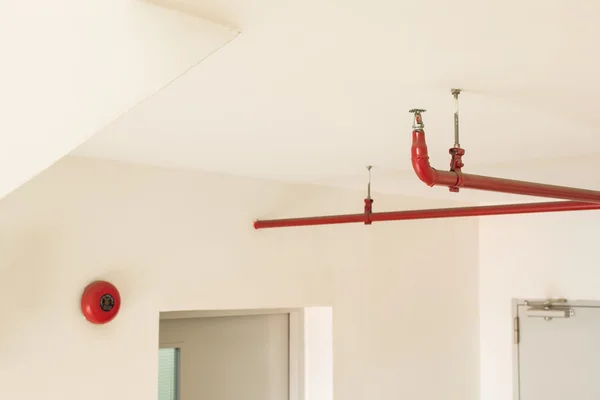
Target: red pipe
[455,179]
[580,199]
[367,217]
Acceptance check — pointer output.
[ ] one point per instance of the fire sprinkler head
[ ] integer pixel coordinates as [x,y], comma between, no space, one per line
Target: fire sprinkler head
[417,121]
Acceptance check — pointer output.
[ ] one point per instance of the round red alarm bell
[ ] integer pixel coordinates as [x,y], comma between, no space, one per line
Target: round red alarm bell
[100,302]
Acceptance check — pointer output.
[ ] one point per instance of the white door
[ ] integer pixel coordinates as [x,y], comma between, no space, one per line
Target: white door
[557,350]
[230,358]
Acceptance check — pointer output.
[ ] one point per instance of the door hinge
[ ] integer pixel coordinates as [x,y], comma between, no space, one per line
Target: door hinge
[516,331]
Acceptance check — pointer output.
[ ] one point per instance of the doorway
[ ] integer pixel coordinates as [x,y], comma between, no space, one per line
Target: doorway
[225,356]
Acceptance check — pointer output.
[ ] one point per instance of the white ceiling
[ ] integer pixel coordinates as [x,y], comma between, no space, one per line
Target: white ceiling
[69,68]
[315,90]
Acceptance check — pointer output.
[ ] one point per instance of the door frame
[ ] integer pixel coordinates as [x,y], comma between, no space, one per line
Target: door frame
[296,348]
[516,303]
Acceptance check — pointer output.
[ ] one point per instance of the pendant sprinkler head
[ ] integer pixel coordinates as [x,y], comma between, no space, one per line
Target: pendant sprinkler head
[418,120]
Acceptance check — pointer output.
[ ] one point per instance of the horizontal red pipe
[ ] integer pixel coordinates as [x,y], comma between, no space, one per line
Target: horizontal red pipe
[553,206]
[432,177]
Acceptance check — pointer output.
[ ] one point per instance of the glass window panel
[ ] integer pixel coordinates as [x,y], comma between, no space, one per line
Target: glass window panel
[168,374]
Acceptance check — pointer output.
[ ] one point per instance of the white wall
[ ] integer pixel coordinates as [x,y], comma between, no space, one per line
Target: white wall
[318,353]
[404,295]
[69,68]
[529,256]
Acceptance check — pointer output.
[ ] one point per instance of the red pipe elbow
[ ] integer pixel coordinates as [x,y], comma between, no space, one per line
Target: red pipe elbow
[420,159]
[451,179]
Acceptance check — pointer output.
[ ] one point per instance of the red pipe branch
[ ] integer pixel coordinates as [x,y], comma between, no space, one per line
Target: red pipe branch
[455,179]
[580,199]
[368,217]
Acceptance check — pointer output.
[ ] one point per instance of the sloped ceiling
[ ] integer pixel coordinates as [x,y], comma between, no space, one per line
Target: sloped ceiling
[70,68]
[314,91]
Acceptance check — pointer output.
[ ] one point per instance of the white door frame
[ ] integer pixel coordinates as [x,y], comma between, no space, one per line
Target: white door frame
[515,314]
[296,338]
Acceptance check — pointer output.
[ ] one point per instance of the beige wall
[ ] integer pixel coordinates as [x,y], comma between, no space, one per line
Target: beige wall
[404,294]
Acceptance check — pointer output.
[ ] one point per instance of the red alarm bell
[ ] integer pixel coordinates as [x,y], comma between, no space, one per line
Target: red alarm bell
[100,302]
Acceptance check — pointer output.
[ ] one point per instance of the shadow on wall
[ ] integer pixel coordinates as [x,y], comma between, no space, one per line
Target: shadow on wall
[27,262]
